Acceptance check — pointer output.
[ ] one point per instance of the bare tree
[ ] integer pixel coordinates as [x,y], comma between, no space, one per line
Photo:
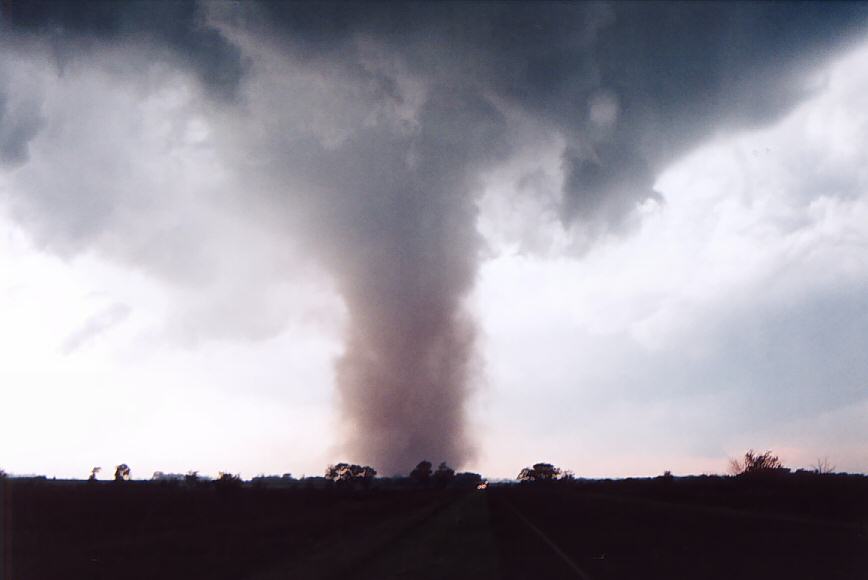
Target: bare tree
[93,473]
[754,462]
[736,467]
[823,466]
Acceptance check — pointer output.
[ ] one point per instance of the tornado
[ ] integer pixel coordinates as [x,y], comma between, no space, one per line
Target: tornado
[358,134]
[405,259]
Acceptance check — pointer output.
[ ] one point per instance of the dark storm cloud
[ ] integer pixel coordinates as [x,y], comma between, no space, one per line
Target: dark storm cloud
[629,87]
[74,28]
[371,148]
[672,72]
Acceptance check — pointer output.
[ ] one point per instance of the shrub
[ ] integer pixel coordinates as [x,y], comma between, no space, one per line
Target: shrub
[756,463]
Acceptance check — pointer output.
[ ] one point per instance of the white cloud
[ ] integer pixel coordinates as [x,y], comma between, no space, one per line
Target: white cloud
[738,308]
[132,396]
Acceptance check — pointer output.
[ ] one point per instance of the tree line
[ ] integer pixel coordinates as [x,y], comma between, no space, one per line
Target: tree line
[751,464]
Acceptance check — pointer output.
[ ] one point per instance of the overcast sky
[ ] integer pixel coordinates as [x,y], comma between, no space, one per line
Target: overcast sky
[263,238]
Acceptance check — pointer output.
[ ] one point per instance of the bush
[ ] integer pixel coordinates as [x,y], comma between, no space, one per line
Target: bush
[756,463]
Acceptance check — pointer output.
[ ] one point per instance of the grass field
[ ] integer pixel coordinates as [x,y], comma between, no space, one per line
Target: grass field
[691,528]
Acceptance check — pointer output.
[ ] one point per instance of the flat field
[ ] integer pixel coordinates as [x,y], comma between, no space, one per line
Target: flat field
[793,527]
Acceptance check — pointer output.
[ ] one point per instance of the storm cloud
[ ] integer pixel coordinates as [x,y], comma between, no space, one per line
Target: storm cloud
[350,141]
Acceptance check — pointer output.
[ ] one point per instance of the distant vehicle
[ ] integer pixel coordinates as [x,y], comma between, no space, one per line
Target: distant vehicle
[483,485]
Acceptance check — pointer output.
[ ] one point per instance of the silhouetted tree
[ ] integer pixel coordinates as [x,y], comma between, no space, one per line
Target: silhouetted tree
[192,477]
[228,485]
[2,474]
[122,472]
[422,472]
[444,475]
[756,463]
[228,480]
[93,473]
[167,477]
[350,473]
[539,472]
[339,472]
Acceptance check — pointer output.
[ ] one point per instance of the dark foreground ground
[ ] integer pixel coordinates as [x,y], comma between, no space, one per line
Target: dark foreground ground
[694,528]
